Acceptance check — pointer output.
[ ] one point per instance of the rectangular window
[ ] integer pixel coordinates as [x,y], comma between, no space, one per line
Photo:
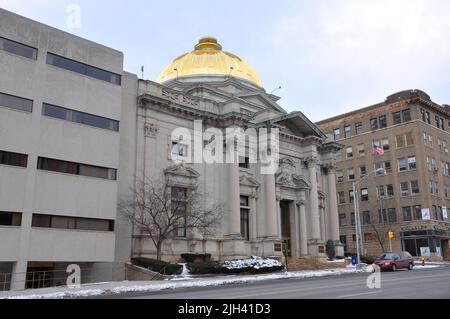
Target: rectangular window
[351,174]
[352,219]
[427,140]
[366,218]
[338,156]
[10,219]
[404,140]
[79,117]
[179,149]
[349,152]
[13,159]
[385,144]
[383,122]
[16,103]
[364,194]
[406,115]
[381,192]
[59,166]
[404,189]
[390,190]
[244,162]
[412,164]
[65,222]
[337,134]
[348,131]
[415,187]
[350,196]
[392,215]
[339,176]
[382,216]
[84,69]
[361,149]
[403,164]
[343,240]
[342,220]
[179,209]
[18,48]
[418,212]
[341,198]
[374,124]
[388,167]
[245,218]
[407,214]
[396,118]
[362,171]
[359,128]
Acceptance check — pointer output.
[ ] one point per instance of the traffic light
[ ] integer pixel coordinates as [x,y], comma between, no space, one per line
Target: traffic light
[391,234]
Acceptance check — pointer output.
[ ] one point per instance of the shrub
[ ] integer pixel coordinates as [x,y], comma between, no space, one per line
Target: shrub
[367,259]
[205,268]
[331,249]
[195,258]
[253,265]
[159,266]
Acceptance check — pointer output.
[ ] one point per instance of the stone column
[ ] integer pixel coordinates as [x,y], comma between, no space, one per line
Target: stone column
[323,226]
[303,228]
[295,229]
[333,205]
[271,207]
[253,220]
[234,201]
[314,198]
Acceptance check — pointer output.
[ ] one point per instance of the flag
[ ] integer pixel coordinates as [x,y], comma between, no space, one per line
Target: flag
[378,150]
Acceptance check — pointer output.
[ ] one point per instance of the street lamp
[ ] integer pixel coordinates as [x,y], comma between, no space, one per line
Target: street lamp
[359,237]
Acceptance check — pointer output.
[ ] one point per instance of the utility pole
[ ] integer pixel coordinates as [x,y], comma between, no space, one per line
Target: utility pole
[355,204]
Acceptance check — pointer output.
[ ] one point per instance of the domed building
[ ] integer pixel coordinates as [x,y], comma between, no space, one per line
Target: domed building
[292,209]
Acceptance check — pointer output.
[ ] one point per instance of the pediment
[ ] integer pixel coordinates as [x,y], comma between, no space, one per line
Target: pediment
[299,124]
[286,179]
[263,100]
[181,170]
[246,180]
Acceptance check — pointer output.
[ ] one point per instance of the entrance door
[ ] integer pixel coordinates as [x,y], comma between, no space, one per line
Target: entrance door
[286,226]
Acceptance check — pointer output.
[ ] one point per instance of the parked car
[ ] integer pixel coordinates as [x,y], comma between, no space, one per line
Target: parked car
[394,261]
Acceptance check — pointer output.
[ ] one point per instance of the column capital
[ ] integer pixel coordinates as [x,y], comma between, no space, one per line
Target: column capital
[311,161]
[300,202]
[330,167]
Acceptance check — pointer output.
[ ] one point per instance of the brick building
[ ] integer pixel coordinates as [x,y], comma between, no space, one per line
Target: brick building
[405,190]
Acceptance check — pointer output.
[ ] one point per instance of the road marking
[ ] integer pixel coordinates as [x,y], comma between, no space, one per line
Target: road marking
[361,294]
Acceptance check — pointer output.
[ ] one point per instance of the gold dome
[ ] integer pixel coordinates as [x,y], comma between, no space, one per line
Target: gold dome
[209,59]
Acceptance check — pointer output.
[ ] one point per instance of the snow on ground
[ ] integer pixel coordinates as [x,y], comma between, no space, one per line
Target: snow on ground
[254,262]
[126,286]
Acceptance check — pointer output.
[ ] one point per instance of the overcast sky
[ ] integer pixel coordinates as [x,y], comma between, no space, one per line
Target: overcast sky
[329,56]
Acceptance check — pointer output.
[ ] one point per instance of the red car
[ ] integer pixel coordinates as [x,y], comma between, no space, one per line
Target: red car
[394,261]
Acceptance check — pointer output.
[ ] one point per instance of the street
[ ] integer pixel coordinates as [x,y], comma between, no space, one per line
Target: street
[417,284]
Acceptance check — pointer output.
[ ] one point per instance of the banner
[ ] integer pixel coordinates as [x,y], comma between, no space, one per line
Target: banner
[445,212]
[426,214]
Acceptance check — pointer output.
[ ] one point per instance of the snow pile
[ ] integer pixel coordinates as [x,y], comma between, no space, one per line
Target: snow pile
[254,262]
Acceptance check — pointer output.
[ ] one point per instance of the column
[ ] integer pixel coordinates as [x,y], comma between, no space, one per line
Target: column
[234,198]
[303,228]
[271,206]
[253,220]
[323,226]
[333,205]
[314,198]
[295,236]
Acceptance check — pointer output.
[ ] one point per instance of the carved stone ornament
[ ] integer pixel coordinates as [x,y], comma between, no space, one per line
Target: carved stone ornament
[151,130]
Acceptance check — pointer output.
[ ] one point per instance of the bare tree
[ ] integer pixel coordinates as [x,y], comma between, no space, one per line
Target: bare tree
[381,225]
[162,211]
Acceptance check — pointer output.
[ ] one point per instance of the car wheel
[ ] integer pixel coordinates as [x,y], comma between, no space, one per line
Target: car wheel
[394,267]
[410,267]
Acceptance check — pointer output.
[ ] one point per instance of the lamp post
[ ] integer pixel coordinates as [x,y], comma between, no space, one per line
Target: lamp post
[359,236]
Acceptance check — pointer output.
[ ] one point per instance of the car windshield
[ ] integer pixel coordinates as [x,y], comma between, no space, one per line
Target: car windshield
[388,256]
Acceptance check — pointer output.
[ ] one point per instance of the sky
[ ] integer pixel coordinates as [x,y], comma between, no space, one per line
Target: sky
[329,57]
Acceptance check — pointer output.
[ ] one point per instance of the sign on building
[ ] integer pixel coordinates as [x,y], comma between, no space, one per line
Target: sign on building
[426,214]
[445,212]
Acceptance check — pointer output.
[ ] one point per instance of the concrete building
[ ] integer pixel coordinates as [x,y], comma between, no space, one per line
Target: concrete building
[60,108]
[77,133]
[413,191]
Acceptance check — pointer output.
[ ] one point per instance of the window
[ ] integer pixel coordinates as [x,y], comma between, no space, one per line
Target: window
[179,209]
[425,116]
[359,128]
[16,103]
[364,195]
[402,164]
[245,220]
[382,216]
[10,219]
[244,162]
[337,134]
[412,162]
[352,219]
[65,222]
[79,117]
[383,122]
[82,68]
[343,240]
[407,214]
[404,189]
[418,212]
[374,124]
[338,156]
[390,190]
[406,115]
[348,131]
[339,176]
[349,152]
[440,215]
[385,144]
[18,48]
[404,140]
[360,149]
[387,167]
[362,171]
[341,198]
[392,215]
[366,218]
[351,196]
[381,192]
[342,220]
[442,146]
[440,122]
[13,159]
[415,187]
[397,118]
[351,174]
[368,237]
[427,140]
[59,166]
[179,149]
[433,188]
[354,237]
